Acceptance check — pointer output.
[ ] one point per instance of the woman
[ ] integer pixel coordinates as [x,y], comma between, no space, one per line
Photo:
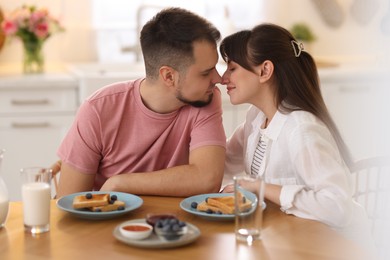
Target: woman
[288,137]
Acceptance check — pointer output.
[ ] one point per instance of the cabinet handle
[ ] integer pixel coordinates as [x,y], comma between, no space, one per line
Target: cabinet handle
[31,125]
[28,102]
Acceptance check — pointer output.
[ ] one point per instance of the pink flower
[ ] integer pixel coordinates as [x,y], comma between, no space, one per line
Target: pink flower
[41,30]
[40,14]
[9,27]
[31,24]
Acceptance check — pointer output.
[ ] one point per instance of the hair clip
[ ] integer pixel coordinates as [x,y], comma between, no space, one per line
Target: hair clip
[297,47]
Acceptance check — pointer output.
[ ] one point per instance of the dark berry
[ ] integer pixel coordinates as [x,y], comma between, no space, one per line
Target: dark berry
[165,221]
[114,197]
[182,224]
[209,211]
[111,201]
[173,221]
[159,224]
[98,210]
[166,228]
[194,205]
[175,227]
[88,195]
[121,208]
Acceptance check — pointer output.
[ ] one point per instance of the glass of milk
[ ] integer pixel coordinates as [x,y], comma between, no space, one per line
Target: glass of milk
[36,196]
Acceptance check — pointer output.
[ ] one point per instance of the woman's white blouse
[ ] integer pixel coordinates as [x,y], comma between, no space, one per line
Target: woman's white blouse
[302,157]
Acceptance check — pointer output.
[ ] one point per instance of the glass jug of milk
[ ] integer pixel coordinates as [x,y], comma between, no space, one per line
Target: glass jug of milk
[4,199]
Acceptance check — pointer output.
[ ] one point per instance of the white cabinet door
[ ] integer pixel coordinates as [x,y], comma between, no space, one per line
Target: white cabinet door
[37,100]
[29,141]
[361,112]
[233,116]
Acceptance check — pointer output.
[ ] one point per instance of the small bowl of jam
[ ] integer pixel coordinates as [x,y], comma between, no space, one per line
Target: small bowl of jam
[136,231]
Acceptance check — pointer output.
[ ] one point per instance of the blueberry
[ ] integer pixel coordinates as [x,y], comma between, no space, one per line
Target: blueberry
[111,201]
[121,208]
[166,228]
[182,224]
[159,224]
[165,221]
[176,227]
[114,197]
[219,212]
[173,221]
[209,211]
[88,195]
[98,210]
[194,205]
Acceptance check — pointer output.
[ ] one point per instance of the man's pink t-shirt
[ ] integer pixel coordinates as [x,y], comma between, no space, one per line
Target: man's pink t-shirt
[115,133]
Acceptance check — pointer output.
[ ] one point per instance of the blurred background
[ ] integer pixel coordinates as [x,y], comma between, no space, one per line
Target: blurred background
[97,30]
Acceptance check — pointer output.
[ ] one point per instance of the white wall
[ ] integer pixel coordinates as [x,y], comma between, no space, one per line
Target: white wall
[350,41]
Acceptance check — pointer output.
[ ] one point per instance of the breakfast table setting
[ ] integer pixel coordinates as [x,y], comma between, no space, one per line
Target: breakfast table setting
[85,234]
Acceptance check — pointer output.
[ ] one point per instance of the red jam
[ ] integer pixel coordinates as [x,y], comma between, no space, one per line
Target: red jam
[136,228]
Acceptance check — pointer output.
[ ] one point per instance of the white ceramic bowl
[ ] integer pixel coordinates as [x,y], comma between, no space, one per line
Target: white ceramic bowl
[136,231]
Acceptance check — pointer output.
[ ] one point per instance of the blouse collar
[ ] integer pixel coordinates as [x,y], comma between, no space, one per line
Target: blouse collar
[274,127]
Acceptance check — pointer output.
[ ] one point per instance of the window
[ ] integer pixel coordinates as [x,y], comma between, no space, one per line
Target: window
[117,23]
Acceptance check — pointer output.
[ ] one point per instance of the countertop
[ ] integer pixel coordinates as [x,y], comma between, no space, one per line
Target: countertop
[72,73]
[56,75]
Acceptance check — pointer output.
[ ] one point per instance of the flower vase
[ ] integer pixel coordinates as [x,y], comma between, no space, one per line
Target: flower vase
[33,61]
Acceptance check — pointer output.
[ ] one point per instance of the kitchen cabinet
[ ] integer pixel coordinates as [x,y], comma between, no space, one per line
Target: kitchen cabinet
[358,101]
[35,114]
[233,115]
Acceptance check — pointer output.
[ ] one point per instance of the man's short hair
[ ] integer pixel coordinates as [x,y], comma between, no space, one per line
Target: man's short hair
[167,39]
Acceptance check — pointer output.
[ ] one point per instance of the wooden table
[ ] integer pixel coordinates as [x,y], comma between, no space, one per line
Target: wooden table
[284,237]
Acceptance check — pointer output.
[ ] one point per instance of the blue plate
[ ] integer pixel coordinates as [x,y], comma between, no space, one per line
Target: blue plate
[186,205]
[132,202]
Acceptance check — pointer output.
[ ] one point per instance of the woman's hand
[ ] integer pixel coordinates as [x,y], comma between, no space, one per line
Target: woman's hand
[272,192]
[247,186]
[228,189]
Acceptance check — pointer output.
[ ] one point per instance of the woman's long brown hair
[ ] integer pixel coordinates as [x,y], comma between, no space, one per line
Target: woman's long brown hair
[296,76]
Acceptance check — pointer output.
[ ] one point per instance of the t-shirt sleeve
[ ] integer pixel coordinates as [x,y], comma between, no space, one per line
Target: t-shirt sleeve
[80,147]
[208,128]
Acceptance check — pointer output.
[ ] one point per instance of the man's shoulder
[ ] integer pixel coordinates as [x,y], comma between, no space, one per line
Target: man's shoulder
[113,90]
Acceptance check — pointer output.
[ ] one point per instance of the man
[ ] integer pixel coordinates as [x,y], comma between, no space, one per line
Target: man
[162,135]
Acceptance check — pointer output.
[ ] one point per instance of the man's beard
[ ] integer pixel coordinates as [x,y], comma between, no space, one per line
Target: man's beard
[197,103]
